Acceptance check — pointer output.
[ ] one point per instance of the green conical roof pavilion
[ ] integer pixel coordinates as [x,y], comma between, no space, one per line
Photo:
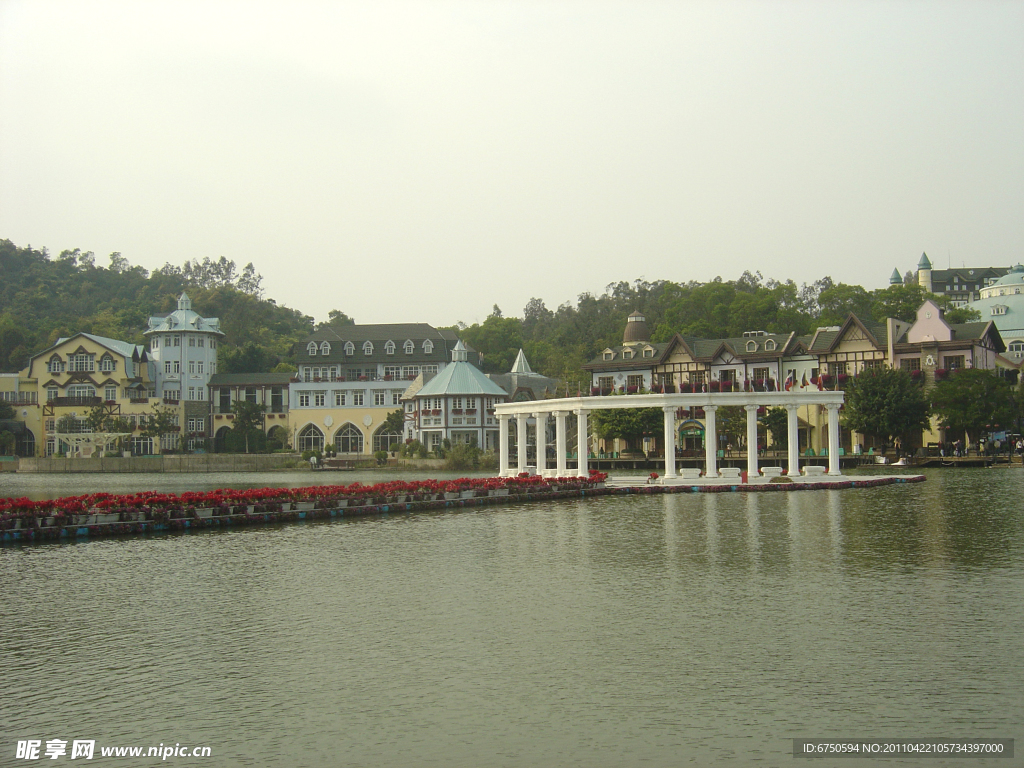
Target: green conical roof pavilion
[895,278]
[924,263]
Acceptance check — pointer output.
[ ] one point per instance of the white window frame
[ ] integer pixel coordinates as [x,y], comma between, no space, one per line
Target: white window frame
[389,347]
[325,348]
[409,347]
[367,347]
[311,349]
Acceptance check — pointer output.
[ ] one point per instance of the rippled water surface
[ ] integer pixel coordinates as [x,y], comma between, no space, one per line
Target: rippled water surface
[640,631]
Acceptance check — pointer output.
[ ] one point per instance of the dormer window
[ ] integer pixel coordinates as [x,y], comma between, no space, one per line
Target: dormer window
[107,365]
[311,348]
[627,354]
[350,348]
[751,346]
[367,348]
[325,348]
[389,348]
[428,346]
[409,347]
[999,309]
[648,352]
[769,346]
[609,355]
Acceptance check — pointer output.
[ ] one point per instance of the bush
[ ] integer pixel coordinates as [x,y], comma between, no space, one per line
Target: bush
[462,456]
[487,460]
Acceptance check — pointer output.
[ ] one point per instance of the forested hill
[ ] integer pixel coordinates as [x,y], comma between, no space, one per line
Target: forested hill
[44,298]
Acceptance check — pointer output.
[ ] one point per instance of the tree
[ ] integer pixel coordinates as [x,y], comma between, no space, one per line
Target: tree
[776,421]
[629,424]
[6,410]
[395,421]
[161,422]
[7,442]
[885,402]
[248,428]
[973,400]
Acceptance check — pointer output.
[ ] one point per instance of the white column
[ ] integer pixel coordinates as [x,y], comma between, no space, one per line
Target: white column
[793,439]
[751,440]
[833,439]
[521,442]
[560,447]
[503,470]
[670,440]
[542,447]
[582,443]
[710,442]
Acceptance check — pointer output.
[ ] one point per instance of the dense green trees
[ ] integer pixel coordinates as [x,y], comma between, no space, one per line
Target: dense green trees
[973,401]
[629,424]
[885,402]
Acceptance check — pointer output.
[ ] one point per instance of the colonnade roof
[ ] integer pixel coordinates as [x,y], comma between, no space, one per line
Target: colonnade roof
[677,400]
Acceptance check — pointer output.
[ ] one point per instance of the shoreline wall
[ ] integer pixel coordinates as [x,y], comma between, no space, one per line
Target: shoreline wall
[173,463]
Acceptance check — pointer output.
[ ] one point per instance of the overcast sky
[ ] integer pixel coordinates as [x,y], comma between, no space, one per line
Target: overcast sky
[422,161]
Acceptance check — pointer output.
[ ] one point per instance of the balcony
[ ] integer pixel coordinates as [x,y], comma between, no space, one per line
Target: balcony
[65,402]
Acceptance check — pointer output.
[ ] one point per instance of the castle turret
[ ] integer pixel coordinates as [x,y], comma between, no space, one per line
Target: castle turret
[924,273]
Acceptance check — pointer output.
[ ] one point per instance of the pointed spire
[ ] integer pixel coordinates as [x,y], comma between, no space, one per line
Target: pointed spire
[459,353]
[925,262]
[521,365]
[895,278]
[184,302]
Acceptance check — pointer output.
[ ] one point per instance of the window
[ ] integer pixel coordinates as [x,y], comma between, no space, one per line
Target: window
[470,403]
[608,355]
[51,393]
[394,371]
[192,366]
[999,309]
[176,366]
[55,365]
[457,403]
[409,347]
[350,348]
[304,398]
[107,364]
[837,369]
[410,371]
[386,441]
[357,398]
[769,346]
[213,343]
[201,341]
[429,369]
[648,352]
[311,438]
[339,398]
[191,341]
[168,340]
[196,425]
[81,390]
[627,354]
[325,348]
[167,366]
[379,397]
[311,348]
[762,374]
[176,340]
[428,346]
[1016,346]
[396,397]
[953,362]
[191,393]
[199,366]
[110,392]
[751,346]
[154,343]
[869,364]
[172,394]
[319,399]
[637,381]
[727,375]
[389,348]
[348,439]
[367,348]
[81,363]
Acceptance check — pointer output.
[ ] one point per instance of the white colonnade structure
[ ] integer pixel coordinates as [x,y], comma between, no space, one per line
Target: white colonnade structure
[559,409]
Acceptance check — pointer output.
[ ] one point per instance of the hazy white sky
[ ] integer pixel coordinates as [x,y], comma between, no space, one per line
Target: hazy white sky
[422,161]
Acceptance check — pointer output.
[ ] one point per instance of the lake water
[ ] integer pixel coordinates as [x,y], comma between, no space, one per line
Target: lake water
[704,629]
